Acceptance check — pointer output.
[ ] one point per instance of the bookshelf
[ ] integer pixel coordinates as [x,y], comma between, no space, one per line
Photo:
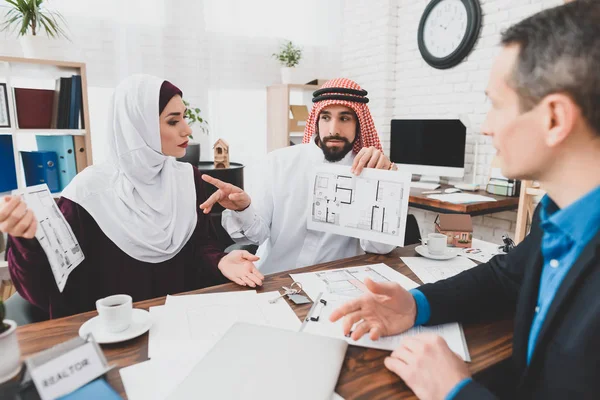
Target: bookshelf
[32,73]
[279,98]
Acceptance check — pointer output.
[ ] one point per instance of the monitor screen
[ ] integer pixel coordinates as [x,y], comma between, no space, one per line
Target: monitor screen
[428,143]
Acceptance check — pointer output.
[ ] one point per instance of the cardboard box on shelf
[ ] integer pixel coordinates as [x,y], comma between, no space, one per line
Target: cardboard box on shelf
[299,117]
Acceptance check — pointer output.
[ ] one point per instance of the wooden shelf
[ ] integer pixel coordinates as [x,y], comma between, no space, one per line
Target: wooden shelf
[53,132]
[38,61]
[278,110]
[39,73]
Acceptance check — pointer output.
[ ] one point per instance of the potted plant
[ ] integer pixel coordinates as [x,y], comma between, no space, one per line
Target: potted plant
[192,115]
[10,363]
[289,56]
[29,18]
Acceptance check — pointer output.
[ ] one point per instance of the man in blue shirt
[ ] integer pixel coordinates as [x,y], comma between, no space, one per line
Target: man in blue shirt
[545,125]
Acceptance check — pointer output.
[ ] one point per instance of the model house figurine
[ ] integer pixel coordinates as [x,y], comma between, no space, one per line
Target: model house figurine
[221,149]
[458,228]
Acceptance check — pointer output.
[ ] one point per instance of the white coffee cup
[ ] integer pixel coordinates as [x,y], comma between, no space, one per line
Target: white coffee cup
[115,312]
[437,243]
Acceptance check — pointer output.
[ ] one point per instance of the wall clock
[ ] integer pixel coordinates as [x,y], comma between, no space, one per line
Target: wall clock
[448,31]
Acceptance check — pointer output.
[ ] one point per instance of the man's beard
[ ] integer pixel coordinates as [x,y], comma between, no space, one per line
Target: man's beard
[334,154]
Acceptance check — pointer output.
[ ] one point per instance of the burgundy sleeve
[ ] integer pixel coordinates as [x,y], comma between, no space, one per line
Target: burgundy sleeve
[29,267]
[210,244]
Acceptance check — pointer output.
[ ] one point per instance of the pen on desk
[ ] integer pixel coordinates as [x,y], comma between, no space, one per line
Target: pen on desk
[431,192]
[310,312]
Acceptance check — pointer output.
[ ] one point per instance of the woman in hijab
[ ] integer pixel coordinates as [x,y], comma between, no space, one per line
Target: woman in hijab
[136,217]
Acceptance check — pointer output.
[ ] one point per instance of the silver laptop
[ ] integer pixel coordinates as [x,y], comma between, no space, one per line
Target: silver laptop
[260,362]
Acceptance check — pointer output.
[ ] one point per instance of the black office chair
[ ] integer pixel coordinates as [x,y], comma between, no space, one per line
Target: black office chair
[412,234]
[23,312]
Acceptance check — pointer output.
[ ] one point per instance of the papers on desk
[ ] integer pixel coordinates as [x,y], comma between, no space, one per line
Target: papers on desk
[461,198]
[54,233]
[188,326]
[155,380]
[430,271]
[481,251]
[371,206]
[341,285]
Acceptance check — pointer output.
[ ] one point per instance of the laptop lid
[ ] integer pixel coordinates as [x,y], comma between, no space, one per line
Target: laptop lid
[260,362]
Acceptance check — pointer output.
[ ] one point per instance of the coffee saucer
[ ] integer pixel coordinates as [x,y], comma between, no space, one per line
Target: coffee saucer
[448,254]
[140,323]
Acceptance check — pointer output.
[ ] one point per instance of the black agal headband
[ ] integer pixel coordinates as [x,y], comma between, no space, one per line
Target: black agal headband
[338,93]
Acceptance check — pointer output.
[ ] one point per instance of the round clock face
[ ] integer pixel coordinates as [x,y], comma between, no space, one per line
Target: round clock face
[448,31]
[445,28]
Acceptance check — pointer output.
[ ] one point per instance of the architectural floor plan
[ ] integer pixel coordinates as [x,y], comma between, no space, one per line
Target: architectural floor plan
[371,206]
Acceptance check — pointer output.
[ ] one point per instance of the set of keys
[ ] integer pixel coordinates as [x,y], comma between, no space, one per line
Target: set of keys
[293,293]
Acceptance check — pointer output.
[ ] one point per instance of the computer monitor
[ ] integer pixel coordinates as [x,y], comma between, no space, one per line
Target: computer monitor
[429,147]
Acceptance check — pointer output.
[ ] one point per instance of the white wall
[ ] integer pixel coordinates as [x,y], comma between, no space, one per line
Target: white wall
[388,47]
[217,51]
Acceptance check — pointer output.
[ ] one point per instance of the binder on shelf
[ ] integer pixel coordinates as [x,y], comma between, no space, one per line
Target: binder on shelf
[75,102]
[34,108]
[41,167]
[65,151]
[80,153]
[64,100]
[8,174]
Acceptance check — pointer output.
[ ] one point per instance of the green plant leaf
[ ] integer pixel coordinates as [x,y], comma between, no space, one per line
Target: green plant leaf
[29,16]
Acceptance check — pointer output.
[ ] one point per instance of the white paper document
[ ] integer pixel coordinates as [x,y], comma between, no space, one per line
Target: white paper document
[341,285]
[430,271]
[53,232]
[371,206]
[348,282]
[155,380]
[481,251]
[189,326]
[461,198]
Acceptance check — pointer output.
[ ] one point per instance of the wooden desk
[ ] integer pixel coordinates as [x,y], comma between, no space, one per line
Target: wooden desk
[419,200]
[363,374]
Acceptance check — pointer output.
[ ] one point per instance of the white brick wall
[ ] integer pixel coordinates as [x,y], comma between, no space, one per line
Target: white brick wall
[381,52]
[223,73]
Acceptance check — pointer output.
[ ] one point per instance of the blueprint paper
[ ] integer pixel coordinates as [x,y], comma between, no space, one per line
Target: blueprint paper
[341,285]
[372,206]
[452,333]
[347,283]
[53,232]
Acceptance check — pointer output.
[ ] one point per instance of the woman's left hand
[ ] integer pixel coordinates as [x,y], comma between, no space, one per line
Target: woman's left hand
[238,266]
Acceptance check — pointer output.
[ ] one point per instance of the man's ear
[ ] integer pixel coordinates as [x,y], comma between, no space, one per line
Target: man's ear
[561,115]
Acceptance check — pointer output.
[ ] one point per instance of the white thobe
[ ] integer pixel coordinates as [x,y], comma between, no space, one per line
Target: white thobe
[277,217]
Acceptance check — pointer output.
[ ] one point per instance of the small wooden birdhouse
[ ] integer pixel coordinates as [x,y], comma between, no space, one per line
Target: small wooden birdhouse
[457,227]
[221,149]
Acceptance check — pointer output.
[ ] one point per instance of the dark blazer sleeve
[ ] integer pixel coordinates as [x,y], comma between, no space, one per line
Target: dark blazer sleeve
[474,391]
[486,290]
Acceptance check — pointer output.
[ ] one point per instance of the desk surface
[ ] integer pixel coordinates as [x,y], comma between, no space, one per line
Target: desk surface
[363,374]
[503,203]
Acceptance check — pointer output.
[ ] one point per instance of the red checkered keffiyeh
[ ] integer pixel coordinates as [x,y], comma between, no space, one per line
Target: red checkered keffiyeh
[368,134]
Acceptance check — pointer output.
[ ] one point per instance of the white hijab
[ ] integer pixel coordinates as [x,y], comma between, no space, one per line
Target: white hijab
[144,201]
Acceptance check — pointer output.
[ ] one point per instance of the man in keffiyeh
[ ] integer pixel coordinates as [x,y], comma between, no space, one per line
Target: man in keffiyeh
[342,122]
[339,130]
